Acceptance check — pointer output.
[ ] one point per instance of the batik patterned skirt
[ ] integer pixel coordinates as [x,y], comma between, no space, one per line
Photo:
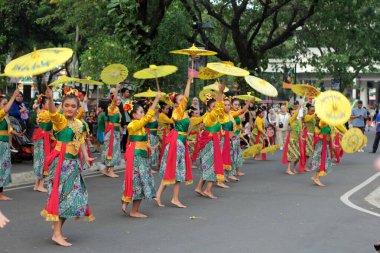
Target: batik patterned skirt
[180,170]
[154,154]
[237,153]
[85,166]
[206,167]
[143,181]
[39,158]
[72,192]
[293,151]
[310,145]
[5,164]
[116,151]
[317,157]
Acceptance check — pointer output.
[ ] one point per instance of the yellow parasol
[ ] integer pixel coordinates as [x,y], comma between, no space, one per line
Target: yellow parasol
[333,107]
[305,90]
[252,151]
[89,81]
[215,87]
[248,97]
[227,69]
[206,73]
[352,140]
[364,141]
[204,94]
[147,94]
[38,62]
[194,51]
[165,98]
[261,86]
[114,74]
[62,80]
[271,149]
[154,72]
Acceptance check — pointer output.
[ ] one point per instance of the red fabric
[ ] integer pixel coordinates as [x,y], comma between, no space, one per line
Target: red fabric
[110,127]
[52,206]
[338,149]
[128,175]
[163,144]
[302,144]
[196,148]
[286,147]
[257,141]
[171,161]
[148,132]
[206,137]
[323,154]
[226,149]
[40,134]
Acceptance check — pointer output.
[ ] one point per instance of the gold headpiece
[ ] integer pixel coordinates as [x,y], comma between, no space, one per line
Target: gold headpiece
[128,106]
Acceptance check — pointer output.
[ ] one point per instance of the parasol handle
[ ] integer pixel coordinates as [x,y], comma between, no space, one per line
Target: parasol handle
[158,86]
[192,69]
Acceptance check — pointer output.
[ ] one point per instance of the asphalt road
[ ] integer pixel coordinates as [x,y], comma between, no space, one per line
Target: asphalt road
[267,212]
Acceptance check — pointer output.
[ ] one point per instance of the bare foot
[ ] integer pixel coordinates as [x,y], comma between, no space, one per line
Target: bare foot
[154,171]
[159,203]
[41,189]
[317,181]
[232,177]
[64,237]
[258,159]
[3,197]
[124,208]
[137,215]
[222,185]
[200,192]
[289,172]
[35,188]
[104,172]
[113,175]
[240,173]
[209,195]
[61,241]
[178,204]
[307,169]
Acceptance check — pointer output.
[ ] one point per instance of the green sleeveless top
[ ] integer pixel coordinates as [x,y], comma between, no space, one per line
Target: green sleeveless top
[138,138]
[4,127]
[228,126]
[182,126]
[152,125]
[214,129]
[310,125]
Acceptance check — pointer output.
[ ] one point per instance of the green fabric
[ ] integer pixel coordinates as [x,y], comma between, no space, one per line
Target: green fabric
[138,137]
[295,130]
[66,135]
[238,121]
[114,118]
[326,130]
[182,125]
[46,126]
[213,129]
[152,125]
[4,126]
[102,118]
[229,126]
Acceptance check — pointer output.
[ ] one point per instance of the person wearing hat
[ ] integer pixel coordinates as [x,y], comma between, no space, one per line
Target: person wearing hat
[358,116]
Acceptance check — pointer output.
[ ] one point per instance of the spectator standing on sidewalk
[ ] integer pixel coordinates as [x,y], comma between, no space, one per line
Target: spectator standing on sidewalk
[377,134]
[358,116]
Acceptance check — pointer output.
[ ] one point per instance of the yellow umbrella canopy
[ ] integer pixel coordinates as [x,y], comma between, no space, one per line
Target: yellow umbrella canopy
[261,86]
[114,74]
[305,90]
[215,87]
[194,51]
[248,97]
[364,142]
[147,94]
[206,73]
[38,62]
[352,140]
[207,94]
[154,72]
[63,79]
[252,150]
[165,98]
[271,149]
[333,107]
[88,81]
[227,69]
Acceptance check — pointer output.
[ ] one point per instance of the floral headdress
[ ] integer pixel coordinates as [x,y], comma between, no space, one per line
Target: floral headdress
[74,92]
[172,96]
[128,106]
[40,97]
[208,97]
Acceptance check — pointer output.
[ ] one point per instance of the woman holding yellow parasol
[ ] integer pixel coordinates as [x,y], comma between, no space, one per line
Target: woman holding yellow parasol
[211,167]
[111,155]
[42,142]
[292,153]
[176,164]
[259,132]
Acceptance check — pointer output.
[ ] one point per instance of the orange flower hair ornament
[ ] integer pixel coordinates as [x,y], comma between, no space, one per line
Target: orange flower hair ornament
[40,97]
[74,92]
[172,96]
[128,106]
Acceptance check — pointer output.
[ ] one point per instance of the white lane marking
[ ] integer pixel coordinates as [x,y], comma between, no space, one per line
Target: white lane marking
[92,174]
[345,197]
